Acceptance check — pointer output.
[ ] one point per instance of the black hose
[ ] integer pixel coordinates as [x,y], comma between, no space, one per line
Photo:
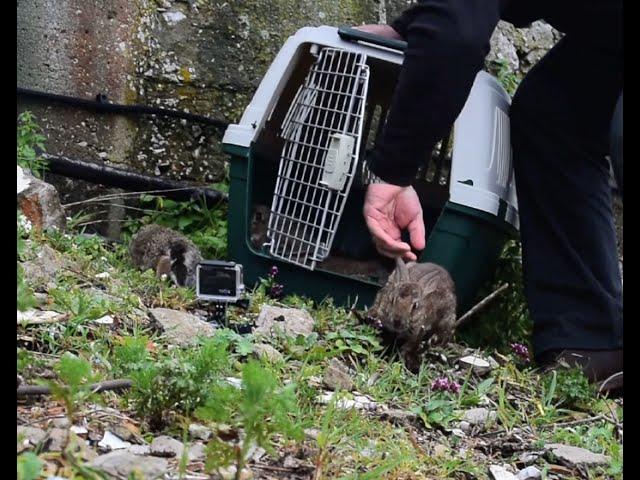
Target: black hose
[115,177]
[101,104]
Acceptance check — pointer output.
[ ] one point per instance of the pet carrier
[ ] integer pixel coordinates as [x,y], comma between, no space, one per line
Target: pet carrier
[298,172]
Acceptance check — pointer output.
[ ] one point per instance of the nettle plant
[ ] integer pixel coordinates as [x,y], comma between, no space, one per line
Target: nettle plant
[253,415]
[30,138]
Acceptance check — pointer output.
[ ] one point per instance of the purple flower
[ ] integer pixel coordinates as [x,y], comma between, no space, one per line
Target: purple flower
[445,385]
[520,350]
[276,290]
[273,272]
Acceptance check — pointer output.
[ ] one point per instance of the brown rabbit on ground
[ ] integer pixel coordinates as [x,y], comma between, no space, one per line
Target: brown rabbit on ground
[417,303]
[167,252]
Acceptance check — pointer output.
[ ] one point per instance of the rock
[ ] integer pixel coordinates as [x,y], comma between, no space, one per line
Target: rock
[440,450]
[458,433]
[311,433]
[464,426]
[479,416]
[289,321]
[33,317]
[140,449]
[42,270]
[529,473]
[529,457]
[337,376]
[266,351]
[358,402]
[62,422]
[229,473]
[180,328]
[165,446]
[500,473]
[291,462]
[29,437]
[122,463]
[502,47]
[57,439]
[197,452]
[402,417]
[39,202]
[111,442]
[105,320]
[576,456]
[477,364]
[199,431]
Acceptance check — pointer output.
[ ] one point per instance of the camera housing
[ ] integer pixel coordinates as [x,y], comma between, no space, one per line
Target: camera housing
[219,281]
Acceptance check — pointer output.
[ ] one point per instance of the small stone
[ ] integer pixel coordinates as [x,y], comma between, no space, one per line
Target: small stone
[440,450]
[312,433]
[464,426]
[229,473]
[105,320]
[122,463]
[199,431]
[57,439]
[399,416]
[576,456]
[266,351]
[477,364]
[236,382]
[337,377]
[140,449]
[498,472]
[181,328]
[79,430]
[29,437]
[165,446]
[529,473]
[479,416]
[62,422]
[289,321]
[529,457]
[39,202]
[458,433]
[111,442]
[290,462]
[197,452]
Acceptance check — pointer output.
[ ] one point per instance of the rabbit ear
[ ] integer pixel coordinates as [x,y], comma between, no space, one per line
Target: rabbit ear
[403,271]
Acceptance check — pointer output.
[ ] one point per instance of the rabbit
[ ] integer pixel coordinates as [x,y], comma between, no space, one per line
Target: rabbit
[417,303]
[166,251]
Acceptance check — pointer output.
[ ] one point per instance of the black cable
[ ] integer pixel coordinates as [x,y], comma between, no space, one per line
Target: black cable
[126,180]
[101,104]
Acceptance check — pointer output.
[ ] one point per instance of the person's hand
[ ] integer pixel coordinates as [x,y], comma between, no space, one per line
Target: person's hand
[389,209]
[382,30]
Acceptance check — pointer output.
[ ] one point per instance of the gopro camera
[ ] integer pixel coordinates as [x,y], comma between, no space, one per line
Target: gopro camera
[219,282]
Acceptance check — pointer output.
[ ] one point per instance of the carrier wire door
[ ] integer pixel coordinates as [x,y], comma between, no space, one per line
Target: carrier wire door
[321,132]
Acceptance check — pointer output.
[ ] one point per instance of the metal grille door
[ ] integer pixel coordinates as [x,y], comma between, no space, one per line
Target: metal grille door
[322,132]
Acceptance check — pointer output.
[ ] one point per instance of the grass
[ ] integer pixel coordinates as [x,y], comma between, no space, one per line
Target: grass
[176,386]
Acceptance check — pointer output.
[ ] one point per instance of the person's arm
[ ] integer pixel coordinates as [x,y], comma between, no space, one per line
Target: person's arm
[447,41]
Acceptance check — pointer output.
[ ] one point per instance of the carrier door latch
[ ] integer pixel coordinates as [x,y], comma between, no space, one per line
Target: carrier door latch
[338,161]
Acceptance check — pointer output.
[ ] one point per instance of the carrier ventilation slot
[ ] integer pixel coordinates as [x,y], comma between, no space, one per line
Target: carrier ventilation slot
[321,132]
[501,153]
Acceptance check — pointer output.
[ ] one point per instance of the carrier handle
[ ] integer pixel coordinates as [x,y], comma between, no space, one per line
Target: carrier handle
[354,35]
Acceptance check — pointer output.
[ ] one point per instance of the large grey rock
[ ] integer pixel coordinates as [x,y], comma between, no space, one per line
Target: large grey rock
[122,463]
[39,202]
[337,376]
[289,321]
[180,328]
[57,439]
[576,456]
[199,431]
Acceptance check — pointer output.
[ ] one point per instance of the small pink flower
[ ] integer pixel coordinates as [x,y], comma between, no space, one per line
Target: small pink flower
[445,385]
[520,350]
[273,272]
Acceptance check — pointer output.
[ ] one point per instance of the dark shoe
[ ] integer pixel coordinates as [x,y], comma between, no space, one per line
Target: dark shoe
[601,367]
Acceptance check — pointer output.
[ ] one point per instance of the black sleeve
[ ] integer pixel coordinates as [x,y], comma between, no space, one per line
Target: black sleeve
[447,41]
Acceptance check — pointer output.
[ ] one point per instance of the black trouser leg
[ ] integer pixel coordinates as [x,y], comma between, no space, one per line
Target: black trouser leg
[560,120]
